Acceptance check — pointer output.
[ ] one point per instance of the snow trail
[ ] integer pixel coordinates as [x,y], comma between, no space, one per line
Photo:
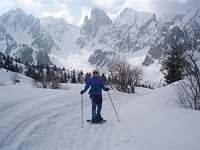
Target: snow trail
[50,119]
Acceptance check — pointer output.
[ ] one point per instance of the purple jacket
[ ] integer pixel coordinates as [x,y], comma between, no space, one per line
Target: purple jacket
[96,85]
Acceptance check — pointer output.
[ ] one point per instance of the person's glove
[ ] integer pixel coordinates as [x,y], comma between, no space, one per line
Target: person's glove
[82,92]
[106,89]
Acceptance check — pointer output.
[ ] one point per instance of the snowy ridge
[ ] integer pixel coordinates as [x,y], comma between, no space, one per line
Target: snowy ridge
[40,119]
[130,17]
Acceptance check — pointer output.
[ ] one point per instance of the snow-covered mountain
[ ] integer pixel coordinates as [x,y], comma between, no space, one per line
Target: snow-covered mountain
[138,36]
[23,36]
[170,25]
[131,31]
[134,31]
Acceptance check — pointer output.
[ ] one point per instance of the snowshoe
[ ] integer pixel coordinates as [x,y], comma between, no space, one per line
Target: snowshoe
[98,122]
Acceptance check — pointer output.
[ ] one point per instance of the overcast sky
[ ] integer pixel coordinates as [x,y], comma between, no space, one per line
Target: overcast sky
[74,11]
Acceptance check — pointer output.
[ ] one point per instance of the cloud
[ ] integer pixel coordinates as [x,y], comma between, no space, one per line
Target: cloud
[6,5]
[85,11]
[160,7]
[43,8]
[59,14]
[27,3]
[182,0]
[141,5]
[107,3]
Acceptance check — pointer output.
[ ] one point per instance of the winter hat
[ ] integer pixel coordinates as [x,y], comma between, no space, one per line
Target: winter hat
[95,72]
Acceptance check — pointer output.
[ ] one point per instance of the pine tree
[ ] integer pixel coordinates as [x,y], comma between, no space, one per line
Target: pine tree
[4,57]
[73,77]
[55,68]
[16,68]
[174,64]
[87,76]
[48,73]
[80,77]
[103,77]
[68,76]
[1,60]
[65,77]
[1,64]
[7,63]
[11,67]
[63,69]
[40,74]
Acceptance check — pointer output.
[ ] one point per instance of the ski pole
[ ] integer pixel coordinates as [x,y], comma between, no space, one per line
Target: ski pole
[113,106]
[82,110]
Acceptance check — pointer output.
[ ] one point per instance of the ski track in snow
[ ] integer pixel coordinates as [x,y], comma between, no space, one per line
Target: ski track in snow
[59,126]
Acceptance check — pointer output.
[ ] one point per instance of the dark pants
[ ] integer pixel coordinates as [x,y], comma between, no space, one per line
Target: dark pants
[96,105]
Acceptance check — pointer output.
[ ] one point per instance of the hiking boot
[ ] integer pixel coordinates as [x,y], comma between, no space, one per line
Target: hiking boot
[97,119]
[100,118]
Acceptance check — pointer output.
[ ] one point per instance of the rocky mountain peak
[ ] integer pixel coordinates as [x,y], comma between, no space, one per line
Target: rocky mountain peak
[16,19]
[56,23]
[19,11]
[86,20]
[14,14]
[130,17]
[98,19]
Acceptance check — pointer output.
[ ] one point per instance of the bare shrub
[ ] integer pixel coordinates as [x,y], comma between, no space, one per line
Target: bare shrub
[37,84]
[123,76]
[189,89]
[65,87]
[55,84]
[2,83]
[188,93]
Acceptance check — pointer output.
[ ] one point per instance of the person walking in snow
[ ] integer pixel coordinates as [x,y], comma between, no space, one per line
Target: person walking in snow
[96,84]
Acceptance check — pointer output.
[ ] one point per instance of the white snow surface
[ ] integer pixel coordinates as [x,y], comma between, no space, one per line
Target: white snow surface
[39,119]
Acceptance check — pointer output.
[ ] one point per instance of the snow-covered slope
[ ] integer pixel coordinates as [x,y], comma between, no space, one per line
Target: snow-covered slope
[154,121]
[64,34]
[6,77]
[41,119]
